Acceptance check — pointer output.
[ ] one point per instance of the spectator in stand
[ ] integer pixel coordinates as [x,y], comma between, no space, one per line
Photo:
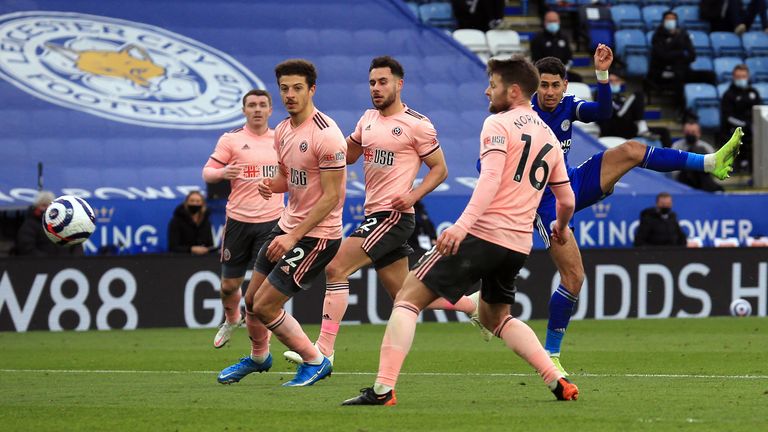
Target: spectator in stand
[552,42]
[478,14]
[31,239]
[694,144]
[628,118]
[659,226]
[671,56]
[755,8]
[189,231]
[722,15]
[736,111]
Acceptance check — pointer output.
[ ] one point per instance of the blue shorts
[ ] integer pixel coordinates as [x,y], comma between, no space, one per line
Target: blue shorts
[585,182]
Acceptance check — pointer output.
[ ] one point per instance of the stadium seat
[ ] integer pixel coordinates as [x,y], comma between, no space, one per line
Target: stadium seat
[473,40]
[599,24]
[504,42]
[724,67]
[722,88]
[762,88]
[726,44]
[632,49]
[611,141]
[755,43]
[652,15]
[702,63]
[758,69]
[688,15]
[580,90]
[701,43]
[589,128]
[627,16]
[437,15]
[702,99]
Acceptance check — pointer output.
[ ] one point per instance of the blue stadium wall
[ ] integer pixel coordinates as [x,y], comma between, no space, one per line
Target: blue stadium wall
[123,102]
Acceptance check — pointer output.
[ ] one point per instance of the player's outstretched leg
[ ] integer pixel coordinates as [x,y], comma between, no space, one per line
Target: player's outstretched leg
[523,341]
[725,157]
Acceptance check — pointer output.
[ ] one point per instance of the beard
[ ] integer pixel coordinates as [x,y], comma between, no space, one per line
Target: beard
[384,104]
[497,107]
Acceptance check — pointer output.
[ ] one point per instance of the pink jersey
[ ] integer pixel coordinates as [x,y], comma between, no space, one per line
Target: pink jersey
[304,151]
[393,147]
[257,154]
[533,160]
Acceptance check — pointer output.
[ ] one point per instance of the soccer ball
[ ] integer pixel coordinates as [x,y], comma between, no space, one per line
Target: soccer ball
[741,308]
[68,220]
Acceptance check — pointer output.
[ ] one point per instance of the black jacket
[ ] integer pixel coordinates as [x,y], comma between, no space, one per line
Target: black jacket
[546,44]
[671,52]
[657,230]
[32,241]
[627,110]
[183,233]
[736,106]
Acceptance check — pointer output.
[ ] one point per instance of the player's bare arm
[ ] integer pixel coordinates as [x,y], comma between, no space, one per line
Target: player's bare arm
[438,172]
[331,183]
[214,171]
[565,205]
[354,151]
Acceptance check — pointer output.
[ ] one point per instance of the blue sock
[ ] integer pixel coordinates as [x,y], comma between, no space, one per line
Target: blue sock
[663,159]
[560,309]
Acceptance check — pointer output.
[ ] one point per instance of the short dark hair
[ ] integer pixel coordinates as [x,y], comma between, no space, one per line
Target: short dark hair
[258,92]
[391,63]
[516,70]
[663,195]
[298,67]
[740,66]
[669,12]
[552,66]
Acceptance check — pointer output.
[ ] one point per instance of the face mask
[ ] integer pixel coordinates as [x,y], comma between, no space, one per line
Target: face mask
[194,209]
[691,139]
[741,83]
[664,210]
[670,24]
[615,88]
[552,27]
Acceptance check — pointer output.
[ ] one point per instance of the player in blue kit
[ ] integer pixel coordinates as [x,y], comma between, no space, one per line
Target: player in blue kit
[594,179]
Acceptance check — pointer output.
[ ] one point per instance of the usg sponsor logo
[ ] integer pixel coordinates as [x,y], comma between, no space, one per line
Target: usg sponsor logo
[121,70]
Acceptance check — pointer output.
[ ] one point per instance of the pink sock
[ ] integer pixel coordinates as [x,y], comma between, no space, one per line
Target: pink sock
[465,304]
[259,335]
[397,342]
[523,341]
[289,332]
[334,307]
[232,306]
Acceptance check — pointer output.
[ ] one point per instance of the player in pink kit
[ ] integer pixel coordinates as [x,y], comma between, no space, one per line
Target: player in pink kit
[244,156]
[492,238]
[311,154]
[393,140]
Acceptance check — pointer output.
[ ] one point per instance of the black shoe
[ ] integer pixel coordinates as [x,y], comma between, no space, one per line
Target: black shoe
[369,397]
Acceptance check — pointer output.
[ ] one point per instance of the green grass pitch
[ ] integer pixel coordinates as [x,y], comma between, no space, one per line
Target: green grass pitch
[656,375]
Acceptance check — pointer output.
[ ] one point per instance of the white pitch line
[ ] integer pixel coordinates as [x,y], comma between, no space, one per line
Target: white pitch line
[447,374]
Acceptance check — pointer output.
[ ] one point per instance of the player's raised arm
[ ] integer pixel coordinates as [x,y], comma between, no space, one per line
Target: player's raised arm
[603,107]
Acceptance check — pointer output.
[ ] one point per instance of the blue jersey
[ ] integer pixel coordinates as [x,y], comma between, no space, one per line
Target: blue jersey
[571,109]
[585,179]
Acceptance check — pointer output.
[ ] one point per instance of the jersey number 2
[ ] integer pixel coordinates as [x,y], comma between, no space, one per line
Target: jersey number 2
[538,163]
